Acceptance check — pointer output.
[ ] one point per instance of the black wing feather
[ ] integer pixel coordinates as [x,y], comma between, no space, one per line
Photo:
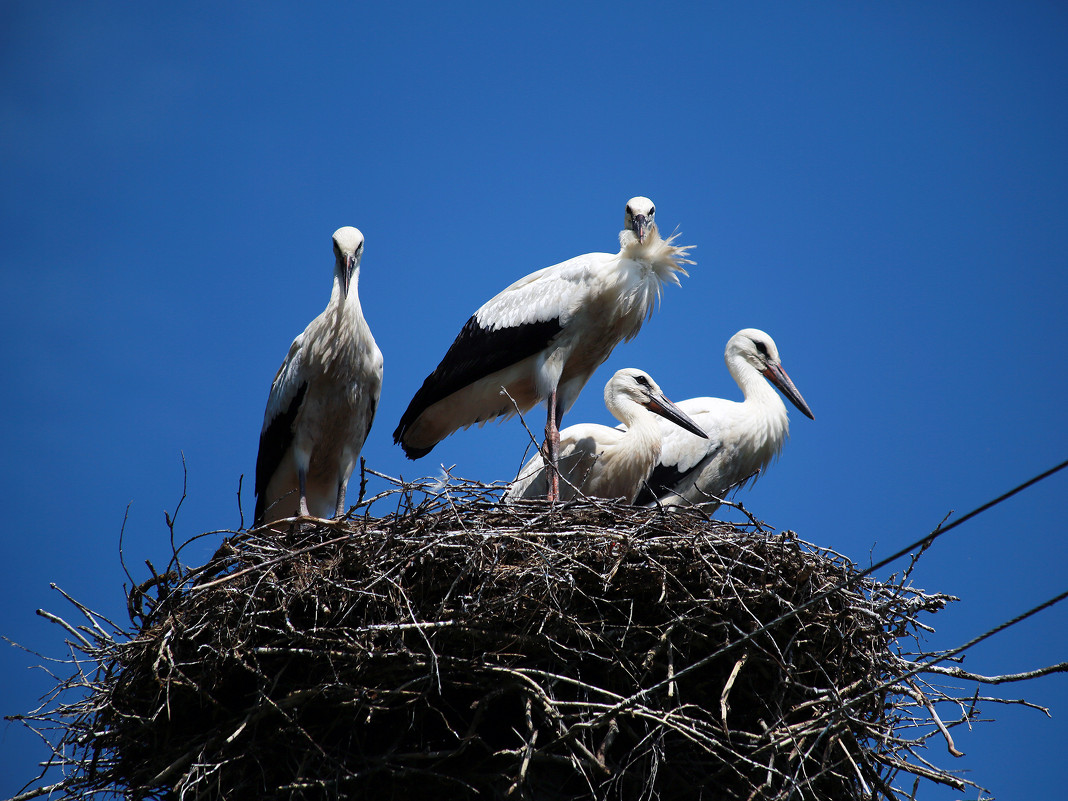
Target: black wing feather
[274,441]
[475,353]
[665,478]
[661,482]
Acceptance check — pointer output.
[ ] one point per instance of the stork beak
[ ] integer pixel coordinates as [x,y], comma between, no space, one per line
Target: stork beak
[776,375]
[641,225]
[346,274]
[669,411]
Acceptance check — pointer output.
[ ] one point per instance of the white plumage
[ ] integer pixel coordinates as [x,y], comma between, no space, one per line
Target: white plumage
[322,402]
[544,336]
[743,438]
[603,462]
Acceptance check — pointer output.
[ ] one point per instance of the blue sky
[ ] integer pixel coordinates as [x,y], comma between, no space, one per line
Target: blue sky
[883,189]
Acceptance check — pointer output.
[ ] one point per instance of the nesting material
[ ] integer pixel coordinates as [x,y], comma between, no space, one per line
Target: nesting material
[457,648]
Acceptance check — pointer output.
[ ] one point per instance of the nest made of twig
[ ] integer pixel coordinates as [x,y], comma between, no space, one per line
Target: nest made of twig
[460,648]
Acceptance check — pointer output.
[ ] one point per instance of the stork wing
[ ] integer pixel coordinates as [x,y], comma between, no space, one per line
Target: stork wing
[681,452]
[513,325]
[287,393]
[578,455]
[476,353]
[550,293]
[372,389]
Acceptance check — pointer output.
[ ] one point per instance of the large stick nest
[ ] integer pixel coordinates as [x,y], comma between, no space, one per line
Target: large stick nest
[460,649]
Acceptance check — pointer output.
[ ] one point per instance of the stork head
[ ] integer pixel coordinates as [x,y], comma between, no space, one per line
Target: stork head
[638,218]
[633,386]
[348,248]
[755,348]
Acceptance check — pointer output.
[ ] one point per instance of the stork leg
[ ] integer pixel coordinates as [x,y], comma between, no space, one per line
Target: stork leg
[302,482]
[341,488]
[552,445]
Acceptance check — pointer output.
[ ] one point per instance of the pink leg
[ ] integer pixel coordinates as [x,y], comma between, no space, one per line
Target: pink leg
[340,510]
[552,445]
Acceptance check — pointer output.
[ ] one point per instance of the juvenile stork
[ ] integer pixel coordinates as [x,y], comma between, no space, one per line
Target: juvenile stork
[544,336]
[742,438]
[604,462]
[322,402]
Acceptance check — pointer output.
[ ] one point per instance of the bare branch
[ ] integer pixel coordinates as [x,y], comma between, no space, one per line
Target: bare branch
[454,646]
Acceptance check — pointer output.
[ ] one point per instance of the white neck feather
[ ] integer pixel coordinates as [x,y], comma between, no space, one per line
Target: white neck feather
[767,423]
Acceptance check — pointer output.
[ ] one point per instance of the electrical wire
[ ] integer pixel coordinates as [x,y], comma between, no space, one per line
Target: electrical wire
[925,542]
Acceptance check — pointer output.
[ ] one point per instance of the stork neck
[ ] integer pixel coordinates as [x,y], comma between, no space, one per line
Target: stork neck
[641,424]
[644,440]
[339,330]
[766,424]
[631,248]
[348,305]
[757,390]
[657,257]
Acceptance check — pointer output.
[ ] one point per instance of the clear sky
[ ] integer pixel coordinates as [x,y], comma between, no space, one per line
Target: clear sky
[881,187]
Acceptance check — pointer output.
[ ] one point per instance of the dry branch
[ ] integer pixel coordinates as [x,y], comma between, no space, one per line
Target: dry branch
[457,648]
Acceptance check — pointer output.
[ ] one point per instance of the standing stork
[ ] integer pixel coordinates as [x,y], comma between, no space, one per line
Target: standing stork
[322,402]
[603,462]
[742,438]
[543,337]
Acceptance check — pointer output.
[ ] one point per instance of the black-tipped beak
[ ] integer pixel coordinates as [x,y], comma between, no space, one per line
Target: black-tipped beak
[641,227]
[669,411]
[776,375]
[346,274]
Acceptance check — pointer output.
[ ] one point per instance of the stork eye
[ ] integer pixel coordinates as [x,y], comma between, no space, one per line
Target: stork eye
[652,210]
[642,380]
[762,349]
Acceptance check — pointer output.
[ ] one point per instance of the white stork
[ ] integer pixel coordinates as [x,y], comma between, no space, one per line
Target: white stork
[743,438]
[603,462]
[544,336]
[322,402]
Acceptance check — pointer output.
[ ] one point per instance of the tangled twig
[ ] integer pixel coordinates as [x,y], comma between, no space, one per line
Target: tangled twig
[458,647]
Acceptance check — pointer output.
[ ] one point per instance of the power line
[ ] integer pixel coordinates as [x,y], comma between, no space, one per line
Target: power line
[961,648]
[925,542]
[940,530]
